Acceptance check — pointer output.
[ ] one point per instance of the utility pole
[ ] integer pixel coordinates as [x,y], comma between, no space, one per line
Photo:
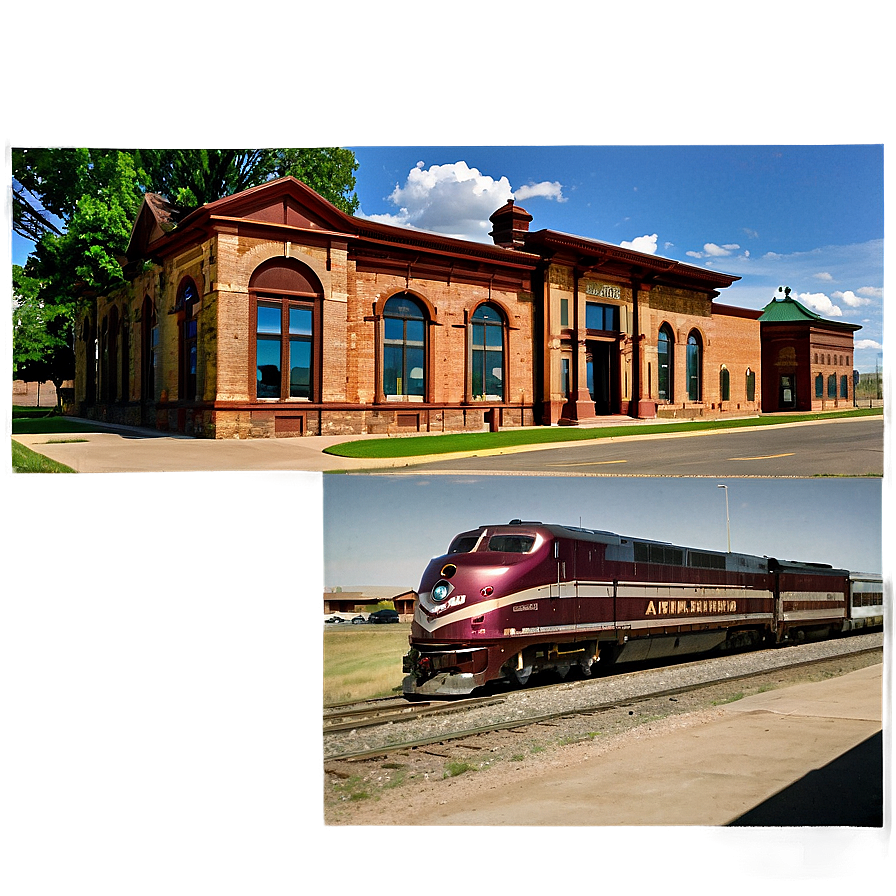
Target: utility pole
[727,518]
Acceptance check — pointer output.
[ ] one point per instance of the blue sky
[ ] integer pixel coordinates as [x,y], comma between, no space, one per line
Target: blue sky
[382,530]
[809,217]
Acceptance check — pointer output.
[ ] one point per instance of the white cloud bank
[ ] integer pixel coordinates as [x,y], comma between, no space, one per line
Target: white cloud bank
[646,244]
[456,200]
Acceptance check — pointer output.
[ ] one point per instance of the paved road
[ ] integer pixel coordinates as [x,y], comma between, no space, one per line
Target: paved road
[848,447]
[851,447]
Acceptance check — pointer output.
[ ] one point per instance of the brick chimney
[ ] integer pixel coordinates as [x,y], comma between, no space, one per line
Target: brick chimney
[510,224]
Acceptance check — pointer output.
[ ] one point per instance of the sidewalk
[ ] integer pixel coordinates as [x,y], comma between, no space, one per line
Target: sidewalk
[130,449]
[805,755]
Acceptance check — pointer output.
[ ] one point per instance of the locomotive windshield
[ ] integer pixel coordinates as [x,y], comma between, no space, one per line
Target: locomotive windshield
[463,544]
[511,544]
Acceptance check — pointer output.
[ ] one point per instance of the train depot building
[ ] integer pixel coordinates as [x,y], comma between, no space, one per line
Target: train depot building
[271,313]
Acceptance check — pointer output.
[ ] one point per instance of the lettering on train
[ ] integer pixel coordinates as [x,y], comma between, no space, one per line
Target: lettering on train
[683,607]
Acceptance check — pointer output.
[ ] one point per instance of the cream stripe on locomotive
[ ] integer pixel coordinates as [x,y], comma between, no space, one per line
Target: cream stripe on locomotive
[687,602]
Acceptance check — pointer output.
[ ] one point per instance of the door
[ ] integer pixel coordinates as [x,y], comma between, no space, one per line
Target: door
[601,381]
[787,392]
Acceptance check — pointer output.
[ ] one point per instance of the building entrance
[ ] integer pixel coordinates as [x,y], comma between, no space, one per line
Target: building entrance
[787,392]
[602,366]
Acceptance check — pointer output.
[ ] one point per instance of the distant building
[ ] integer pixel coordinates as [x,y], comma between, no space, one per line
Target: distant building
[349,603]
[807,361]
[272,313]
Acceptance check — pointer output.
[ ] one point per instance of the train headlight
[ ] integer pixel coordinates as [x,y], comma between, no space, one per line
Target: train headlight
[441,591]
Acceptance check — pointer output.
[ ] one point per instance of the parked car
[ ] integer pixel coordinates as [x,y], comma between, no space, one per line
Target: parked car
[333,619]
[381,616]
[358,620]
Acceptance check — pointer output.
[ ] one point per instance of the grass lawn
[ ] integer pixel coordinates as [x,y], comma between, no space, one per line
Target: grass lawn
[362,661]
[480,441]
[24,460]
[36,421]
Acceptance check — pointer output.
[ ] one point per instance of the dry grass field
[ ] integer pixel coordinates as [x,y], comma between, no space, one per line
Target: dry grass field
[362,661]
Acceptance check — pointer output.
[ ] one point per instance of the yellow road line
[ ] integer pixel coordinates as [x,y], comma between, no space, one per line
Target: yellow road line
[590,463]
[763,456]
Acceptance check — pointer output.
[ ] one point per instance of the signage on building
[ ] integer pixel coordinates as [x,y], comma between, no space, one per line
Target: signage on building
[602,291]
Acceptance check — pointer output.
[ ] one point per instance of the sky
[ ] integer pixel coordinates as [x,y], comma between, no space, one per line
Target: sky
[809,217]
[384,529]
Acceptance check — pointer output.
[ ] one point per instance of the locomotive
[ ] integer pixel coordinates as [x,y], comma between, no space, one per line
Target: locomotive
[509,601]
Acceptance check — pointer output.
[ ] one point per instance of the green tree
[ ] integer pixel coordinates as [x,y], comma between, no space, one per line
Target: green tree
[41,335]
[78,205]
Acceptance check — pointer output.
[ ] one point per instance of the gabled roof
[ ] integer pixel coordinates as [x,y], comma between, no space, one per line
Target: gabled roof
[289,203]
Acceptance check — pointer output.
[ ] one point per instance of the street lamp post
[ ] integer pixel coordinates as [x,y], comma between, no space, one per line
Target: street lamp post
[727,518]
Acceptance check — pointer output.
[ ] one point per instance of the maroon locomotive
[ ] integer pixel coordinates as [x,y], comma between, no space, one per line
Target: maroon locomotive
[509,601]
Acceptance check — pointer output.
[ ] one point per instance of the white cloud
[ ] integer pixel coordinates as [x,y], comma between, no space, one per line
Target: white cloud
[871,292]
[822,275]
[868,343]
[544,190]
[851,299]
[456,200]
[713,250]
[646,244]
[820,303]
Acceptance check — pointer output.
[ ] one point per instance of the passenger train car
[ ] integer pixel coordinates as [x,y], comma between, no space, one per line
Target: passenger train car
[509,601]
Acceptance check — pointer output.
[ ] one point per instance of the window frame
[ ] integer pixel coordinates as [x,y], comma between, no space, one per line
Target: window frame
[480,354]
[694,358]
[404,344]
[285,303]
[666,337]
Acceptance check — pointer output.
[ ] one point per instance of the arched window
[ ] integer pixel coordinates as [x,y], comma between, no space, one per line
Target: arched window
[89,337]
[487,360]
[111,371]
[819,386]
[187,306]
[695,367]
[150,346]
[124,388]
[844,387]
[404,348]
[286,299]
[724,384]
[751,385]
[665,363]
[832,386]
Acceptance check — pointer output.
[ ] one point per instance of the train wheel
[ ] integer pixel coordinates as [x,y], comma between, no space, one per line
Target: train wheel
[521,676]
[562,670]
[585,668]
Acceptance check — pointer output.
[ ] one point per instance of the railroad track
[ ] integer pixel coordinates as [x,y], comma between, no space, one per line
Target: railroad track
[394,710]
[585,707]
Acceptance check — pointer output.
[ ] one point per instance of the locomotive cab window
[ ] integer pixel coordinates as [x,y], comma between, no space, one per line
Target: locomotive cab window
[511,544]
[463,544]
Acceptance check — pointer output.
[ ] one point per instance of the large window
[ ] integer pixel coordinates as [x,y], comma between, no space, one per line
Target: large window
[695,367]
[404,349]
[832,386]
[287,302]
[665,363]
[601,317]
[844,387]
[150,347]
[724,384]
[751,385]
[187,306]
[487,361]
[819,386]
[284,334]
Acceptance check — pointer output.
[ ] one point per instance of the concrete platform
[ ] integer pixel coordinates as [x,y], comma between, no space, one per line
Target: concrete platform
[808,755]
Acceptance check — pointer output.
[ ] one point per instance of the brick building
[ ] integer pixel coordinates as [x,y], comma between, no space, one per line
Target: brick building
[807,360]
[272,313]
